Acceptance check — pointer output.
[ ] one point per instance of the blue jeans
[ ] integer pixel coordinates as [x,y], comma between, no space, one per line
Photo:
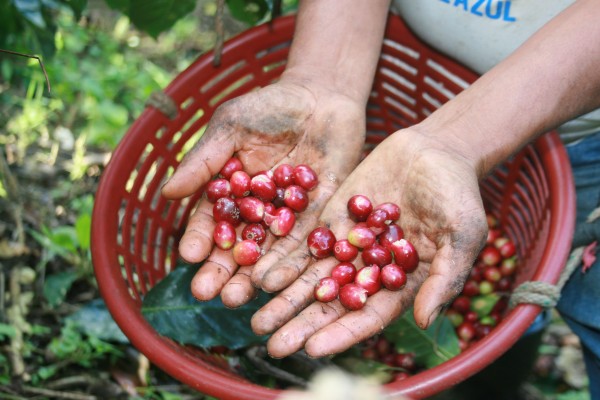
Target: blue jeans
[579,304]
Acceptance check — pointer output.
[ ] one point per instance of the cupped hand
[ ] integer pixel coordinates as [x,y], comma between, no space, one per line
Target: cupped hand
[293,123]
[442,214]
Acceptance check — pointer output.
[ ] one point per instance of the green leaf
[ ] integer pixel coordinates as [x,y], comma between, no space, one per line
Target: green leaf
[95,320]
[7,331]
[431,347]
[248,11]
[83,228]
[57,285]
[172,310]
[153,16]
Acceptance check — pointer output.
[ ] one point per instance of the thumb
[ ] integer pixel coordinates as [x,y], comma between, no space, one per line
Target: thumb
[200,164]
[447,275]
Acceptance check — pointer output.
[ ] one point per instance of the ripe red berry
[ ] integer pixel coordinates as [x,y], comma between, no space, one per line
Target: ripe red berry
[296,198]
[232,165]
[378,220]
[240,183]
[505,246]
[217,188]
[279,199]
[225,209]
[462,304]
[281,222]
[263,187]
[352,296]
[376,254]
[490,255]
[224,235]
[254,232]
[393,277]
[344,273]
[246,252]
[492,274]
[251,209]
[393,211]
[508,266]
[343,250]
[471,288]
[361,236]
[321,242]
[504,284]
[492,235]
[391,233]
[283,175]
[466,331]
[406,361]
[369,278]
[326,290]
[359,207]
[305,176]
[405,255]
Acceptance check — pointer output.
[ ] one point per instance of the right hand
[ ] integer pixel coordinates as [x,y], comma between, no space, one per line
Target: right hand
[287,122]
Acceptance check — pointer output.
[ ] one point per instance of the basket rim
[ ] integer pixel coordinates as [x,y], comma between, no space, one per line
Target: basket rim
[200,376]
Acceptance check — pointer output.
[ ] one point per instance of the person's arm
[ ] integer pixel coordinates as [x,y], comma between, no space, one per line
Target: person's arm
[432,171]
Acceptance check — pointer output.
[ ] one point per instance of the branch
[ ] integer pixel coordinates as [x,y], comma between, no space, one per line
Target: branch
[15,53]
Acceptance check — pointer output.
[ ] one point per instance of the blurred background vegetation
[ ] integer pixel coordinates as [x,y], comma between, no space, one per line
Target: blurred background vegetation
[103,59]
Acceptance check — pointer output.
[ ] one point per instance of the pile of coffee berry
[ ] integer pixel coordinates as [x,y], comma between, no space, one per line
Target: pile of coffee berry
[387,256]
[268,200]
[484,298]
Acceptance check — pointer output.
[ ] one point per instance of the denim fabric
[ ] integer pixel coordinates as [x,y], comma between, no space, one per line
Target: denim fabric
[579,304]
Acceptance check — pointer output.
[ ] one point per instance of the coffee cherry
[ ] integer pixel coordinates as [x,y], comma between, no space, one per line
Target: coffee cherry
[368,278]
[281,222]
[344,251]
[251,209]
[361,236]
[321,242]
[232,165]
[326,290]
[508,266]
[505,246]
[246,252]
[283,175]
[471,288]
[296,198]
[393,211]
[305,176]
[490,255]
[378,220]
[263,187]
[359,207]
[462,304]
[344,273]
[466,331]
[391,233]
[240,183]
[405,255]
[224,235]
[217,188]
[376,254]
[225,209]
[352,296]
[393,277]
[254,232]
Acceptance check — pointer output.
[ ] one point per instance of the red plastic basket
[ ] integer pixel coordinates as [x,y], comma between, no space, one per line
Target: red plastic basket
[135,230]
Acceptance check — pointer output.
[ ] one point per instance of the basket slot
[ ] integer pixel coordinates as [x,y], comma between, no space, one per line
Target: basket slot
[240,86]
[223,78]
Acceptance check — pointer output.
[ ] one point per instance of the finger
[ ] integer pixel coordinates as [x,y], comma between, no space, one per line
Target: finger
[204,161]
[197,241]
[447,275]
[354,327]
[292,300]
[213,275]
[239,289]
[292,336]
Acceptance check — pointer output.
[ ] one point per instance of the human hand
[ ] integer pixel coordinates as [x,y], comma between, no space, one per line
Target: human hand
[281,123]
[442,214]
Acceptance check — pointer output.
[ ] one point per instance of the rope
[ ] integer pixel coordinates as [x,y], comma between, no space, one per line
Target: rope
[546,294]
[163,103]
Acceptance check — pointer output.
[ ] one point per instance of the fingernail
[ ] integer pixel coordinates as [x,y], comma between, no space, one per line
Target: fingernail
[433,316]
